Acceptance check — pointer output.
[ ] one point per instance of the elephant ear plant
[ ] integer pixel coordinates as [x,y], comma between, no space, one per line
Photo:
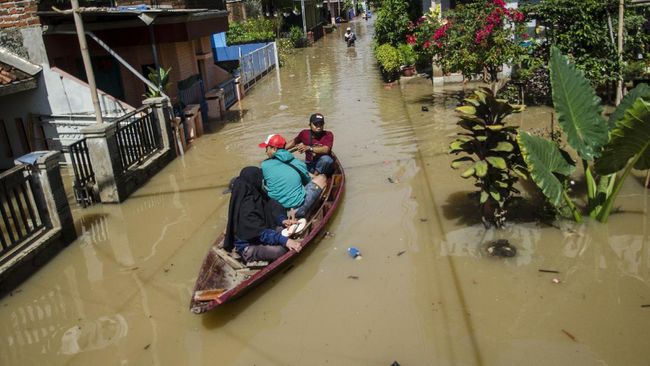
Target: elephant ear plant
[490,152]
[603,153]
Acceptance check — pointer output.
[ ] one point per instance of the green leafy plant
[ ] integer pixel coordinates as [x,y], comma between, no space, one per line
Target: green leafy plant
[586,30]
[296,36]
[407,54]
[490,147]
[390,60]
[580,117]
[251,30]
[391,24]
[160,78]
[478,38]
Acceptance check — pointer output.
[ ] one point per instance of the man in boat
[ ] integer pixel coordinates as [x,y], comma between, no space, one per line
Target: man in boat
[252,219]
[287,179]
[316,143]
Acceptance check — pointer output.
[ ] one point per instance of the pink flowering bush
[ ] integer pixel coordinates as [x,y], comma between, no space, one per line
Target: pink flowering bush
[477,38]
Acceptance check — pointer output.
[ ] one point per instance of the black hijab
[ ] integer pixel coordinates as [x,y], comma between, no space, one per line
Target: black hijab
[251,211]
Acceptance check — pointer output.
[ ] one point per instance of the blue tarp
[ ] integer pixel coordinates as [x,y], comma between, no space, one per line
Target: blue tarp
[222,52]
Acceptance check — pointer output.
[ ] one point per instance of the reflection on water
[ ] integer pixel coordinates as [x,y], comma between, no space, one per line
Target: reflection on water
[425,293]
[92,335]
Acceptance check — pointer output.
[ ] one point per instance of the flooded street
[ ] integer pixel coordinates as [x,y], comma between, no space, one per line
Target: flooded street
[425,292]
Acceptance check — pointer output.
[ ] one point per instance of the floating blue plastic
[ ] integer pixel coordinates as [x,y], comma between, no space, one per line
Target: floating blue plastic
[354,252]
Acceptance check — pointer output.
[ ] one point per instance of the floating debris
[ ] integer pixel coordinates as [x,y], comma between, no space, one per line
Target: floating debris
[501,248]
[424,219]
[645,306]
[353,277]
[573,338]
[401,252]
[425,108]
[556,280]
[393,180]
[354,252]
[548,271]
[147,346]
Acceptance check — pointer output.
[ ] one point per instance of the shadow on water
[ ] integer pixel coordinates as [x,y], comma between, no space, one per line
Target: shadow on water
[441,97]
[461,206]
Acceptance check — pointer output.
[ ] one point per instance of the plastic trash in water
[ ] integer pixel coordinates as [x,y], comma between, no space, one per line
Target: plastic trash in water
[354,252]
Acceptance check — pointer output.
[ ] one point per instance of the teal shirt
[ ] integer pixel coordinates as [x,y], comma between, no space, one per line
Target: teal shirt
[283,183]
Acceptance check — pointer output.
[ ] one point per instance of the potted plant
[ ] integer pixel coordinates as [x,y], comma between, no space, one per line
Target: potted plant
[408,57]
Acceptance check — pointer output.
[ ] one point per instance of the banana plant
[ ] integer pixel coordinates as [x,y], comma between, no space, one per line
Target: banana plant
[580,116]
[490,150]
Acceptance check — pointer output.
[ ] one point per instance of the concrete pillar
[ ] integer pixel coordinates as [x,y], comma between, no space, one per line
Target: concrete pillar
[53,194]
[163,114]
[105,157]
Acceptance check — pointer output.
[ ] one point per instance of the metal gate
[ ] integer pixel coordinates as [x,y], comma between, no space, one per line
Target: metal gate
[84,176]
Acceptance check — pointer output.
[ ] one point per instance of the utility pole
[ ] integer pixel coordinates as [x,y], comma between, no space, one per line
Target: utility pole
[85,56]
[621,19]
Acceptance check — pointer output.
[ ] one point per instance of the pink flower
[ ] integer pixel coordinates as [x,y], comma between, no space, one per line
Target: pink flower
[499,3]
[525,36]
[410,39]
[426,44]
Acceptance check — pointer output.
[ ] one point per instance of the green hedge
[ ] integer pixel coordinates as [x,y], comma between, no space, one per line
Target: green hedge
[251,30]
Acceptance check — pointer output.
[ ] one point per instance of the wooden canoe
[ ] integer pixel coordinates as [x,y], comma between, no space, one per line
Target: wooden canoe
[223,278]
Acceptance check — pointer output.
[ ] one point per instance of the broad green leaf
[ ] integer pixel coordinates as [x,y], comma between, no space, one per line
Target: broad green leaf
[642,90]
[578,107]
[484,196]
[544,159]
[472,101]
[497,162]
[629,140]
[456,163]
[481,168]
[495,194]
[503,146]
[456,145]
[495,127]
[468,173]
[467,109]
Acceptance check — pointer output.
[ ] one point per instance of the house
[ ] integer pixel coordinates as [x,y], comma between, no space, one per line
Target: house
[17,76]
[124,42]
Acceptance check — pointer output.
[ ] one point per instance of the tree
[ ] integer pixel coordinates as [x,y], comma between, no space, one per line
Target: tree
[391,25]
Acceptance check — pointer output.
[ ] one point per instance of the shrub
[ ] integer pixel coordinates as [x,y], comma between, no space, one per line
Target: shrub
[478,38]
[296,36]
[285,48]
[389,60]
[391,25]
[407,54]
[251,30]
[490,148]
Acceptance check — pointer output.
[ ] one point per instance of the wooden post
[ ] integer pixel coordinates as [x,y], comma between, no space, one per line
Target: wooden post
[79,26]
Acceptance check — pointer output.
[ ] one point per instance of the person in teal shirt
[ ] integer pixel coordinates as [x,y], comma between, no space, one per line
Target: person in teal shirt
[287,179]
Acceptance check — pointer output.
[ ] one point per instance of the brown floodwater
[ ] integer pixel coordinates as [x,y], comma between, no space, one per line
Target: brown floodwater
[425,292]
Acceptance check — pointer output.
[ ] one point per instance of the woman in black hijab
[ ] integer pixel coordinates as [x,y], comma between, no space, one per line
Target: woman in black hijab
[252,218]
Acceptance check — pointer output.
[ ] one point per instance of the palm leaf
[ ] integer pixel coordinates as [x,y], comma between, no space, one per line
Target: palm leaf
[544,159]
[642,90]
[577,106]
[630,139]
